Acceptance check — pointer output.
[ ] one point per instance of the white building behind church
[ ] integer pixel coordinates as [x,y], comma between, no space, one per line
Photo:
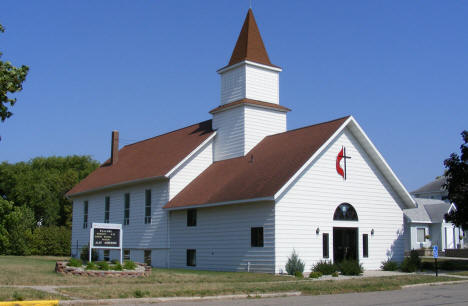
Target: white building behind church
[239,192]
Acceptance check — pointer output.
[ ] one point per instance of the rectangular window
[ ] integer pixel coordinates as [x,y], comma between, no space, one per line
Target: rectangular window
[191,217]
[421,234]
[325,246]
[148,257]
[127,209]
[148,206]
[106,255]
[126,254]
[85,214]
[365,245]
[107,210]
[256,237]
[191,258]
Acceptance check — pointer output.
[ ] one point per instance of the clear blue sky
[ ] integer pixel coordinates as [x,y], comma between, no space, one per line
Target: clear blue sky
[149,67]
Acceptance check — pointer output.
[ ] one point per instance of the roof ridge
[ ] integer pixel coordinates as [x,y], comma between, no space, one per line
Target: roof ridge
[309,126]
[165,133]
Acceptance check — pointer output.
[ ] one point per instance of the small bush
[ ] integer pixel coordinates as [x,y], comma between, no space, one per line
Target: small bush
[414,258]
[315,274]
[389,265]
[18,296]
[84,255]
[325,267]
[103,265]
[298,274]
[129,265]
[412,263]
[117,267]
[335,274]
[138,293]
[75,262]
[294,264]
[115,261]
[350,267]
[91,266]
[51,240]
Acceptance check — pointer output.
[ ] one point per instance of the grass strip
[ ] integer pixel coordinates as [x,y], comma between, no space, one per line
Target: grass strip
[209,289]
[25,294]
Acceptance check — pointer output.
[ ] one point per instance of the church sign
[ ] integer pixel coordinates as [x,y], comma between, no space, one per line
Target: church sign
[105,236]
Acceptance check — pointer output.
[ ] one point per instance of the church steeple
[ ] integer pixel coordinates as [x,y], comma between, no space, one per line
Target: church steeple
[250,45]
[249,109]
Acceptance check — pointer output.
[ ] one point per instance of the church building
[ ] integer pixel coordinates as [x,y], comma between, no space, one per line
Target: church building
[239,192]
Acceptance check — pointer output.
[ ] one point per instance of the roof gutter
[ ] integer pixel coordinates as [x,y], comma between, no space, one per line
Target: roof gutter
[134,182]
[263,199]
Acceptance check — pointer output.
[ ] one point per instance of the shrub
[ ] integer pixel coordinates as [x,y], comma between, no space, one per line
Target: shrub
[412,263]
[91,266]
[51,240]
[129,265]
[350,267]
[335,274]
[315,274]
[294,264]
[75,262]
[414,258]
[117,267]
[84,255]
[325,267]
[298,274]
[138,293]
[103,265]
[389,265]
[115,261]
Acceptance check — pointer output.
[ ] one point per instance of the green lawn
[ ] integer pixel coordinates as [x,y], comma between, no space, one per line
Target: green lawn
[176,282]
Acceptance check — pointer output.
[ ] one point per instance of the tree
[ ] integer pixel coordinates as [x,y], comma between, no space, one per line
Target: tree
[11,80]
[457,184]
[16,224]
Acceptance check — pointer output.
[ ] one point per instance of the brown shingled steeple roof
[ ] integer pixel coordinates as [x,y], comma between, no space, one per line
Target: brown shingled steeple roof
[250,45]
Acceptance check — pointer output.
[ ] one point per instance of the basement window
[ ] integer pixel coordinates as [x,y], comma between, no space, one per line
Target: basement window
[191,258]
[147,257]
[256,237]
[126,254]
[192,217]
[106,255]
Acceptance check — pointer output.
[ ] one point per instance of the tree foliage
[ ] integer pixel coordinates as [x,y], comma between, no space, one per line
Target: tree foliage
[457,184]
[16,225]
[41,183]
[11,81]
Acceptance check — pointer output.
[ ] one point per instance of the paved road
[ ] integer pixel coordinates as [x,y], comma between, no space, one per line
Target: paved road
[426,295]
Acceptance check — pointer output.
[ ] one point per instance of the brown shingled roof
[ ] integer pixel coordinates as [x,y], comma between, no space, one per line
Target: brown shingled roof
[149,158]
[251,102]
[262,172]
[250,45]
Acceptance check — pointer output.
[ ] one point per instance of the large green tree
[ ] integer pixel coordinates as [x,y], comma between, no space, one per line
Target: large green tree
[457,184]
[16,226]
[11,81]
[41,183]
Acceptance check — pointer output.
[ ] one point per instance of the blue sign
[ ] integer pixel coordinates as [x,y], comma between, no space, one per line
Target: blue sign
[435,252]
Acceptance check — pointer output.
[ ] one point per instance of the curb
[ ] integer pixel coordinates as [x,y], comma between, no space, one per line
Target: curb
[31,303]
[177,299]
[434,284]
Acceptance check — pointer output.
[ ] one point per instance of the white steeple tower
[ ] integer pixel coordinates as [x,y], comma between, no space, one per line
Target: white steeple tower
[249,108]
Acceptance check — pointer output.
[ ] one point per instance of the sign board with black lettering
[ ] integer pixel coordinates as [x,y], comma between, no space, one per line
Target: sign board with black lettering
[105,236]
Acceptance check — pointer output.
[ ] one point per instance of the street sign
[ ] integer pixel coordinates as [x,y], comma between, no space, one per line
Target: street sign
[435,251]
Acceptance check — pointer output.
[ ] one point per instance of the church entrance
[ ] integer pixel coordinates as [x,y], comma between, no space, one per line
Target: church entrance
[345,243]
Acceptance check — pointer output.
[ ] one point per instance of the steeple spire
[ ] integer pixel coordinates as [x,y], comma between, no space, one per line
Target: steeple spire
[250,45]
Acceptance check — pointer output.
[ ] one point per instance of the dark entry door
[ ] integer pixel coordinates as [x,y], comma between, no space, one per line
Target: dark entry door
[345,243]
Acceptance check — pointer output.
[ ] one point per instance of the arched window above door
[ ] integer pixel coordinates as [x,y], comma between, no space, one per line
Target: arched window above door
[345,212]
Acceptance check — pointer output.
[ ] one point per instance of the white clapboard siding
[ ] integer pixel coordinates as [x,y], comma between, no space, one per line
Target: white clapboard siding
[309,203]
[191,168]
[262,84]
[233,85]
[136,235]
[230,130]
[221,238]
[261,122]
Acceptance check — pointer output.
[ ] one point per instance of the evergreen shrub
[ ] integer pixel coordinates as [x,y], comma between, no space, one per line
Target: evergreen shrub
[315,274]
[389,265]
[129,265]
[350,267]
[75,262]
[294,264]
[325,267]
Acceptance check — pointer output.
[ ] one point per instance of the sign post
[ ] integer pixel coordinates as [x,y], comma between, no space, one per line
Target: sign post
[105,236]
[435,254]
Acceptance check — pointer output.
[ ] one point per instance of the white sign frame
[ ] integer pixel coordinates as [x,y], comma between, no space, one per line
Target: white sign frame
[105,226]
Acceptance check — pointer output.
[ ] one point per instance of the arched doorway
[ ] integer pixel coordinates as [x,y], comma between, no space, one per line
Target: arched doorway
[345,239]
